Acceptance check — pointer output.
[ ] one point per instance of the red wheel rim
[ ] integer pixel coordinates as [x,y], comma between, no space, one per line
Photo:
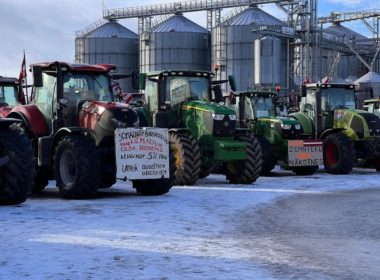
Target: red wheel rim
[332,154]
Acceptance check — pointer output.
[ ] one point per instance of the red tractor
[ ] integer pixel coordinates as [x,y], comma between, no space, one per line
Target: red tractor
[72,118]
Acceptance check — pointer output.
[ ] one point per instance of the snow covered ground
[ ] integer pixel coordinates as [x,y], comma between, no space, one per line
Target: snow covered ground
[188,233]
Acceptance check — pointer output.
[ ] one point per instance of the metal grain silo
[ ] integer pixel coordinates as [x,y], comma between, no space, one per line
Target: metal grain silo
[233,48]
[109,43]
[176,43]
[348,64]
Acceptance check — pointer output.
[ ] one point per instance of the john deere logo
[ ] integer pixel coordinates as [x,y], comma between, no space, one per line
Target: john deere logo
[225,123]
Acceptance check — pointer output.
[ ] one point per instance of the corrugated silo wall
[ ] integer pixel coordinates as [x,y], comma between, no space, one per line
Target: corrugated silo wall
[233,49]
[119,51]
[174,50]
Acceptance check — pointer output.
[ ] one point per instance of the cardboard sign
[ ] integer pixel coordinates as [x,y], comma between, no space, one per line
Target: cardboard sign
[142,153]
[305,152]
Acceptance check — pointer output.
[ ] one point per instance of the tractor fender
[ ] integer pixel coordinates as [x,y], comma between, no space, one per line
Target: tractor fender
[32,118]
[72,131]
[179,130]
[5,123]
[47,144]
[330,131]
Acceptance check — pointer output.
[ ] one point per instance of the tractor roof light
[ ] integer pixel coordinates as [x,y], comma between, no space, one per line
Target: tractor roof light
[180,73]
[165,74]
[205,74]
[199,74]
[173,73]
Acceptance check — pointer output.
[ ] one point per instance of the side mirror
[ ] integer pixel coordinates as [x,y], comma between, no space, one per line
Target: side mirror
[303,91]
[37,76]
[142,81]
[232,82]
[218,93]
[135,80]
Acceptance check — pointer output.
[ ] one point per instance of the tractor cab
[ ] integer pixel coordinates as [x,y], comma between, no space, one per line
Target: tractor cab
[328,103]
[372,106]
[8,91]
[10,95]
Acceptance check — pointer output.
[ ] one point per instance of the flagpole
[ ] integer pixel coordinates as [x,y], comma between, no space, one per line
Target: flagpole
[26,84]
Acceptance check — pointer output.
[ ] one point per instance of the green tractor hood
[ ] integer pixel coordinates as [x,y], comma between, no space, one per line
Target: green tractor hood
[206,106]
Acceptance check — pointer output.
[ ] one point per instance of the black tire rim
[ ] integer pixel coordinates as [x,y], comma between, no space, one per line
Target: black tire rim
[67,168]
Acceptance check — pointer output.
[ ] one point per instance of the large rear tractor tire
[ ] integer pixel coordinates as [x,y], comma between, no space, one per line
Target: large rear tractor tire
[77,167]
[17,174]
[269,160]
[245,171]
[157,186]
[338,153]
[187,156]
[304,170]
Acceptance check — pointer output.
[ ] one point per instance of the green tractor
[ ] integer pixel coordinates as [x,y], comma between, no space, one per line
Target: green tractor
[257,111]
[349,136]
[203,132]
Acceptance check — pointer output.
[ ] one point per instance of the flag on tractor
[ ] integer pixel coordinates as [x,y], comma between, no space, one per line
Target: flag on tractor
[22,81]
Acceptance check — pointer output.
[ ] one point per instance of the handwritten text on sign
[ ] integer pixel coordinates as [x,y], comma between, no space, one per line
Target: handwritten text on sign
[142,153]
[305,152]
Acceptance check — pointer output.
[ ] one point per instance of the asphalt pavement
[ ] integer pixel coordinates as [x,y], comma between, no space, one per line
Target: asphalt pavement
[323,236]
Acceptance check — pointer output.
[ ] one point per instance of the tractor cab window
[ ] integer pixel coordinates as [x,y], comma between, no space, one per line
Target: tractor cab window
[8,95]
[181,89]
[263,106]
[308,104]
[178,89]
[151,93]
[337,98]
[91,86]
[249,114]
[45,96]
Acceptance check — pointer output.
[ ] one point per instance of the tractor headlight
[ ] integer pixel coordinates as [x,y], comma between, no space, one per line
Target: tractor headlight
[232,117]
[218,117]
[298,126]
[286,126]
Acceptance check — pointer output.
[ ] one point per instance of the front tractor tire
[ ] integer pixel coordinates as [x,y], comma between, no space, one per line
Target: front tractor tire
[157,186]
[338,153]
[17,174]
[187,156]
[245,171]
[77,167]
[269,160]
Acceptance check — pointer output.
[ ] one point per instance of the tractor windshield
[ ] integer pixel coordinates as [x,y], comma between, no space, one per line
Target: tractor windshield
[181,88]
[263,106]
[88,86]
[337,98]
[8,95]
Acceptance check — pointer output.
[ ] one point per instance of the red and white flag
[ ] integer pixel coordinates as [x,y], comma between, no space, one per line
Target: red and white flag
[22,81]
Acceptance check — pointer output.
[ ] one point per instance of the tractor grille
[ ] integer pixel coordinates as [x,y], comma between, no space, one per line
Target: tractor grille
[222,128]
[291,134]
[373,123]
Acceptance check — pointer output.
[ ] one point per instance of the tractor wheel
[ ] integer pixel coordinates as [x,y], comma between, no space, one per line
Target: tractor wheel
[248,170]
[304,170]
[77,167]
[157,186]
[338,153]
[269,160]
[187,156]
[206,170]
[107,180]
[17,175]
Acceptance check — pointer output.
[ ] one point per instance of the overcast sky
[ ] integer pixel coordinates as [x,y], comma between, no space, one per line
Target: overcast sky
[45,29]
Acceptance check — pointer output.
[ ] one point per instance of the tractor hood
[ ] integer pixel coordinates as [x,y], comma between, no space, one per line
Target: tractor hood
[210,107]
[359,124]
[104,117]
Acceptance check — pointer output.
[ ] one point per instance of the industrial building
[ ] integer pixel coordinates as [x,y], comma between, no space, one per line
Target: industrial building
[240,39]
